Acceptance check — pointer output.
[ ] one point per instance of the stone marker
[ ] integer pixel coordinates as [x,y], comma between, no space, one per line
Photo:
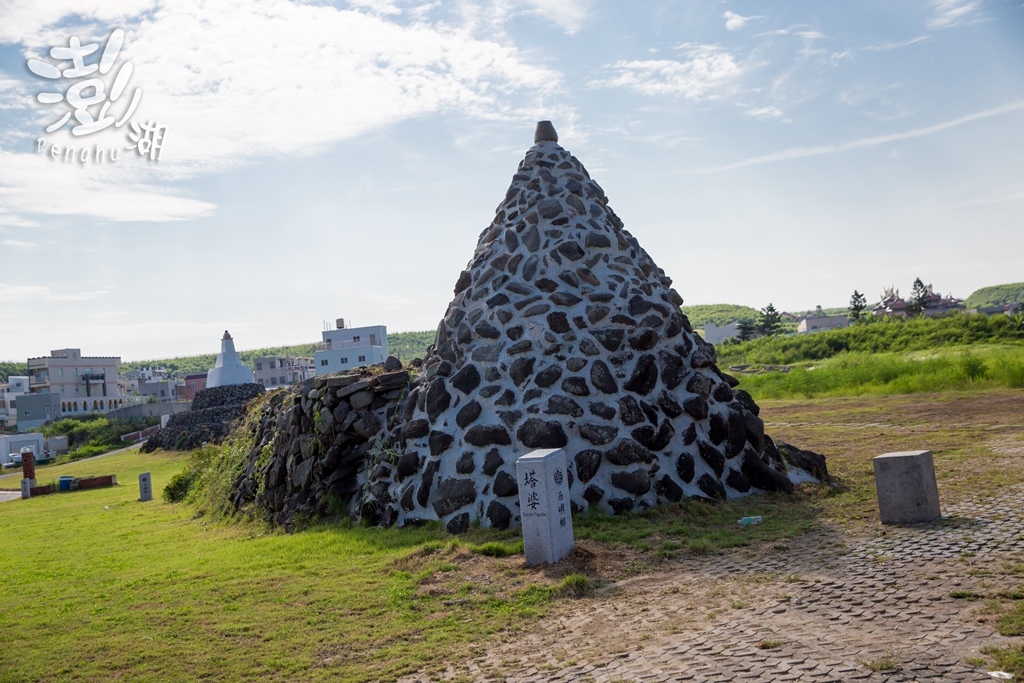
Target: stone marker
[544,505]
[906,488]
[145,487]
[26,489]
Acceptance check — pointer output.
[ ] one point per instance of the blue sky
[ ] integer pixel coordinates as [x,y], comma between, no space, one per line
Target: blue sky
[326,160]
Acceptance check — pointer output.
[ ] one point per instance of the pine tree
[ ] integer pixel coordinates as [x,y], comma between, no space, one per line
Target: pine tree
[858,302]
[770,321]
[747,329]
[919,298]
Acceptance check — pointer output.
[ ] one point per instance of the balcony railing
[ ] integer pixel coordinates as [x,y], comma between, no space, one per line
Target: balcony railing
[93,377]
[39,379]
[361,344]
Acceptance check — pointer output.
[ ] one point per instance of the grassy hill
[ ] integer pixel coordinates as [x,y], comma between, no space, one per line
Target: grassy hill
[996,295]
[719,314]
[8,368]
[405,345]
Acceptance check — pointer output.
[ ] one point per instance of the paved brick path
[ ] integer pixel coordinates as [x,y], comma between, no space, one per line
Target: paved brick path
[824,607]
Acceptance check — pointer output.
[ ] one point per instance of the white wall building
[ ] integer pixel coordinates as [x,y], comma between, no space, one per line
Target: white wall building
[83,384]
[16,386]
[713,334]
[346,348]
[822,322]
[282,371]
[228,369]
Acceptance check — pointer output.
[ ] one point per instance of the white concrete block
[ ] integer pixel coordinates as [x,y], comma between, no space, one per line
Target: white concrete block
[544,505]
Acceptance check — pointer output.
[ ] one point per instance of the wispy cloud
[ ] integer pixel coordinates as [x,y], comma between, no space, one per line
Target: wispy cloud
[569,15]
[46,293]
[17,244]
[765,113]
[949,13]
[736,22]
[894,44]
[819,150]
[704,69]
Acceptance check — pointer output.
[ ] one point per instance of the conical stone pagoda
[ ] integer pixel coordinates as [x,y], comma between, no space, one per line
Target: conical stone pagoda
[563,332]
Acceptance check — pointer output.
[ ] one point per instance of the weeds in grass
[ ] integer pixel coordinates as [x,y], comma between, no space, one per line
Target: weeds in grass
[497,549]
[769,644]
[884,662]
[576,586]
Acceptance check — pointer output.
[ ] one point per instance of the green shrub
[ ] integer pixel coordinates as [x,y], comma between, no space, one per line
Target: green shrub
[576,586]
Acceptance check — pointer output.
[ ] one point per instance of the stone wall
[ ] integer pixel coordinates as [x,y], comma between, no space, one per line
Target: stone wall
[210,419]
[313,444]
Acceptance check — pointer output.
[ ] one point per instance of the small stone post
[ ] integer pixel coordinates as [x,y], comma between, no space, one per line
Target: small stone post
[26,489]
[145,487]
[28,465]
[906,487]
[544,506]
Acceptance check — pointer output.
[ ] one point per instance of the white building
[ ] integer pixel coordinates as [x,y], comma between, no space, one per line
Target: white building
[83,384]
[713,334]
[282,371]
[16,386]
[228,369]
[822,322]
[346,348]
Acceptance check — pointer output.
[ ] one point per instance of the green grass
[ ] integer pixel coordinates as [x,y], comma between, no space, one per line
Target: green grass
[996,295]
[860,374]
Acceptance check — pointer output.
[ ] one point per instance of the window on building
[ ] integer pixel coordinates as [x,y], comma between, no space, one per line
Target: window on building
[355,339]
[324,361]
[282,380]
[273,381]
[344,360]
[162,392]
[362,359]
[259,366]
[60,372]
[76,372]
[273,365]
[373,340]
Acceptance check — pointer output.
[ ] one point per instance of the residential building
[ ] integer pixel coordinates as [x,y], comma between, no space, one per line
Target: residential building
[161,389]
[817,323]
[345,348]
[36,409]
[82,384]
[16,386]
[715,334]
[192,385]
[277,371]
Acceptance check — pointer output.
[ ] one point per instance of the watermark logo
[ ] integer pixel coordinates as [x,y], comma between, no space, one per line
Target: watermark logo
[95,106]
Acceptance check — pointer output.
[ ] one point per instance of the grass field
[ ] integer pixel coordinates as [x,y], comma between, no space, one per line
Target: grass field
[100,587]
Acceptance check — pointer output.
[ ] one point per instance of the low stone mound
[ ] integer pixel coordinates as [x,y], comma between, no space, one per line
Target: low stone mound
[210,419]
[313,442]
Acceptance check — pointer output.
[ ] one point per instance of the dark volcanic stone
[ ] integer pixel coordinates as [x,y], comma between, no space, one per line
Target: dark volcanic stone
[468,414]
[408,501]
[563,405]
[458,524]
[520,347]
[593,494]
[602,379]
[588,348]
[577,386]
[643,341]
[639,305]
[806,460]
[738,481]
[599,435]
[669,490]
[415,429]
[737,438]
[610,338]
[722,393]
[453,494]
[602,410]
[712,456]
[407,465]
[531,240]
[746,401]
[546,285]
[530,267]
[571,251]
[487,435]
[696,407]
[465,279]
[689,434]
[597,241]
[538,433]
[548,376]
[521,370]
[513,333]
[505,485]
[669,406]
[498,515]
[672,370]
[629,411]
[761,475]
[492,462]
[685,467]
[644,377]
[711,487]
[628,452]
[549,208]
[438,399]
[637,481]
[558,322]
[718,429]
[465,464]
[587,464]
[426,482]
[596,312]
[510,417]
[621,506]
[507,398]
[565,298]
[699,384]
[487,331]
[576,364]
[440,442]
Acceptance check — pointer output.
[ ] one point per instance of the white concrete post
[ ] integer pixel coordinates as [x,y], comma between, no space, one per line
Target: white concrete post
[145,487]
[26,489]
[544,505]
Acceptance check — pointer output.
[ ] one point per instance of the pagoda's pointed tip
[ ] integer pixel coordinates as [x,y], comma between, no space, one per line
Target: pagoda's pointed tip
[545,131]
[226,335]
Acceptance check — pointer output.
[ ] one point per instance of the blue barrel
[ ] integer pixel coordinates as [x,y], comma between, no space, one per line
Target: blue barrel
[64,483]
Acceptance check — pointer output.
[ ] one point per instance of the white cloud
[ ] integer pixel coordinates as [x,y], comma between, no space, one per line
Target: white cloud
[705,69]
[819,150]
[33,294]
[949,13]
[894,44]
[765,113]
[36,184]
[569,15]
[17,244]
[736,22]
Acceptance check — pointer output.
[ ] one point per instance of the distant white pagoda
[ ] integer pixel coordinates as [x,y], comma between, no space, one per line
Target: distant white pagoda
[229,368]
